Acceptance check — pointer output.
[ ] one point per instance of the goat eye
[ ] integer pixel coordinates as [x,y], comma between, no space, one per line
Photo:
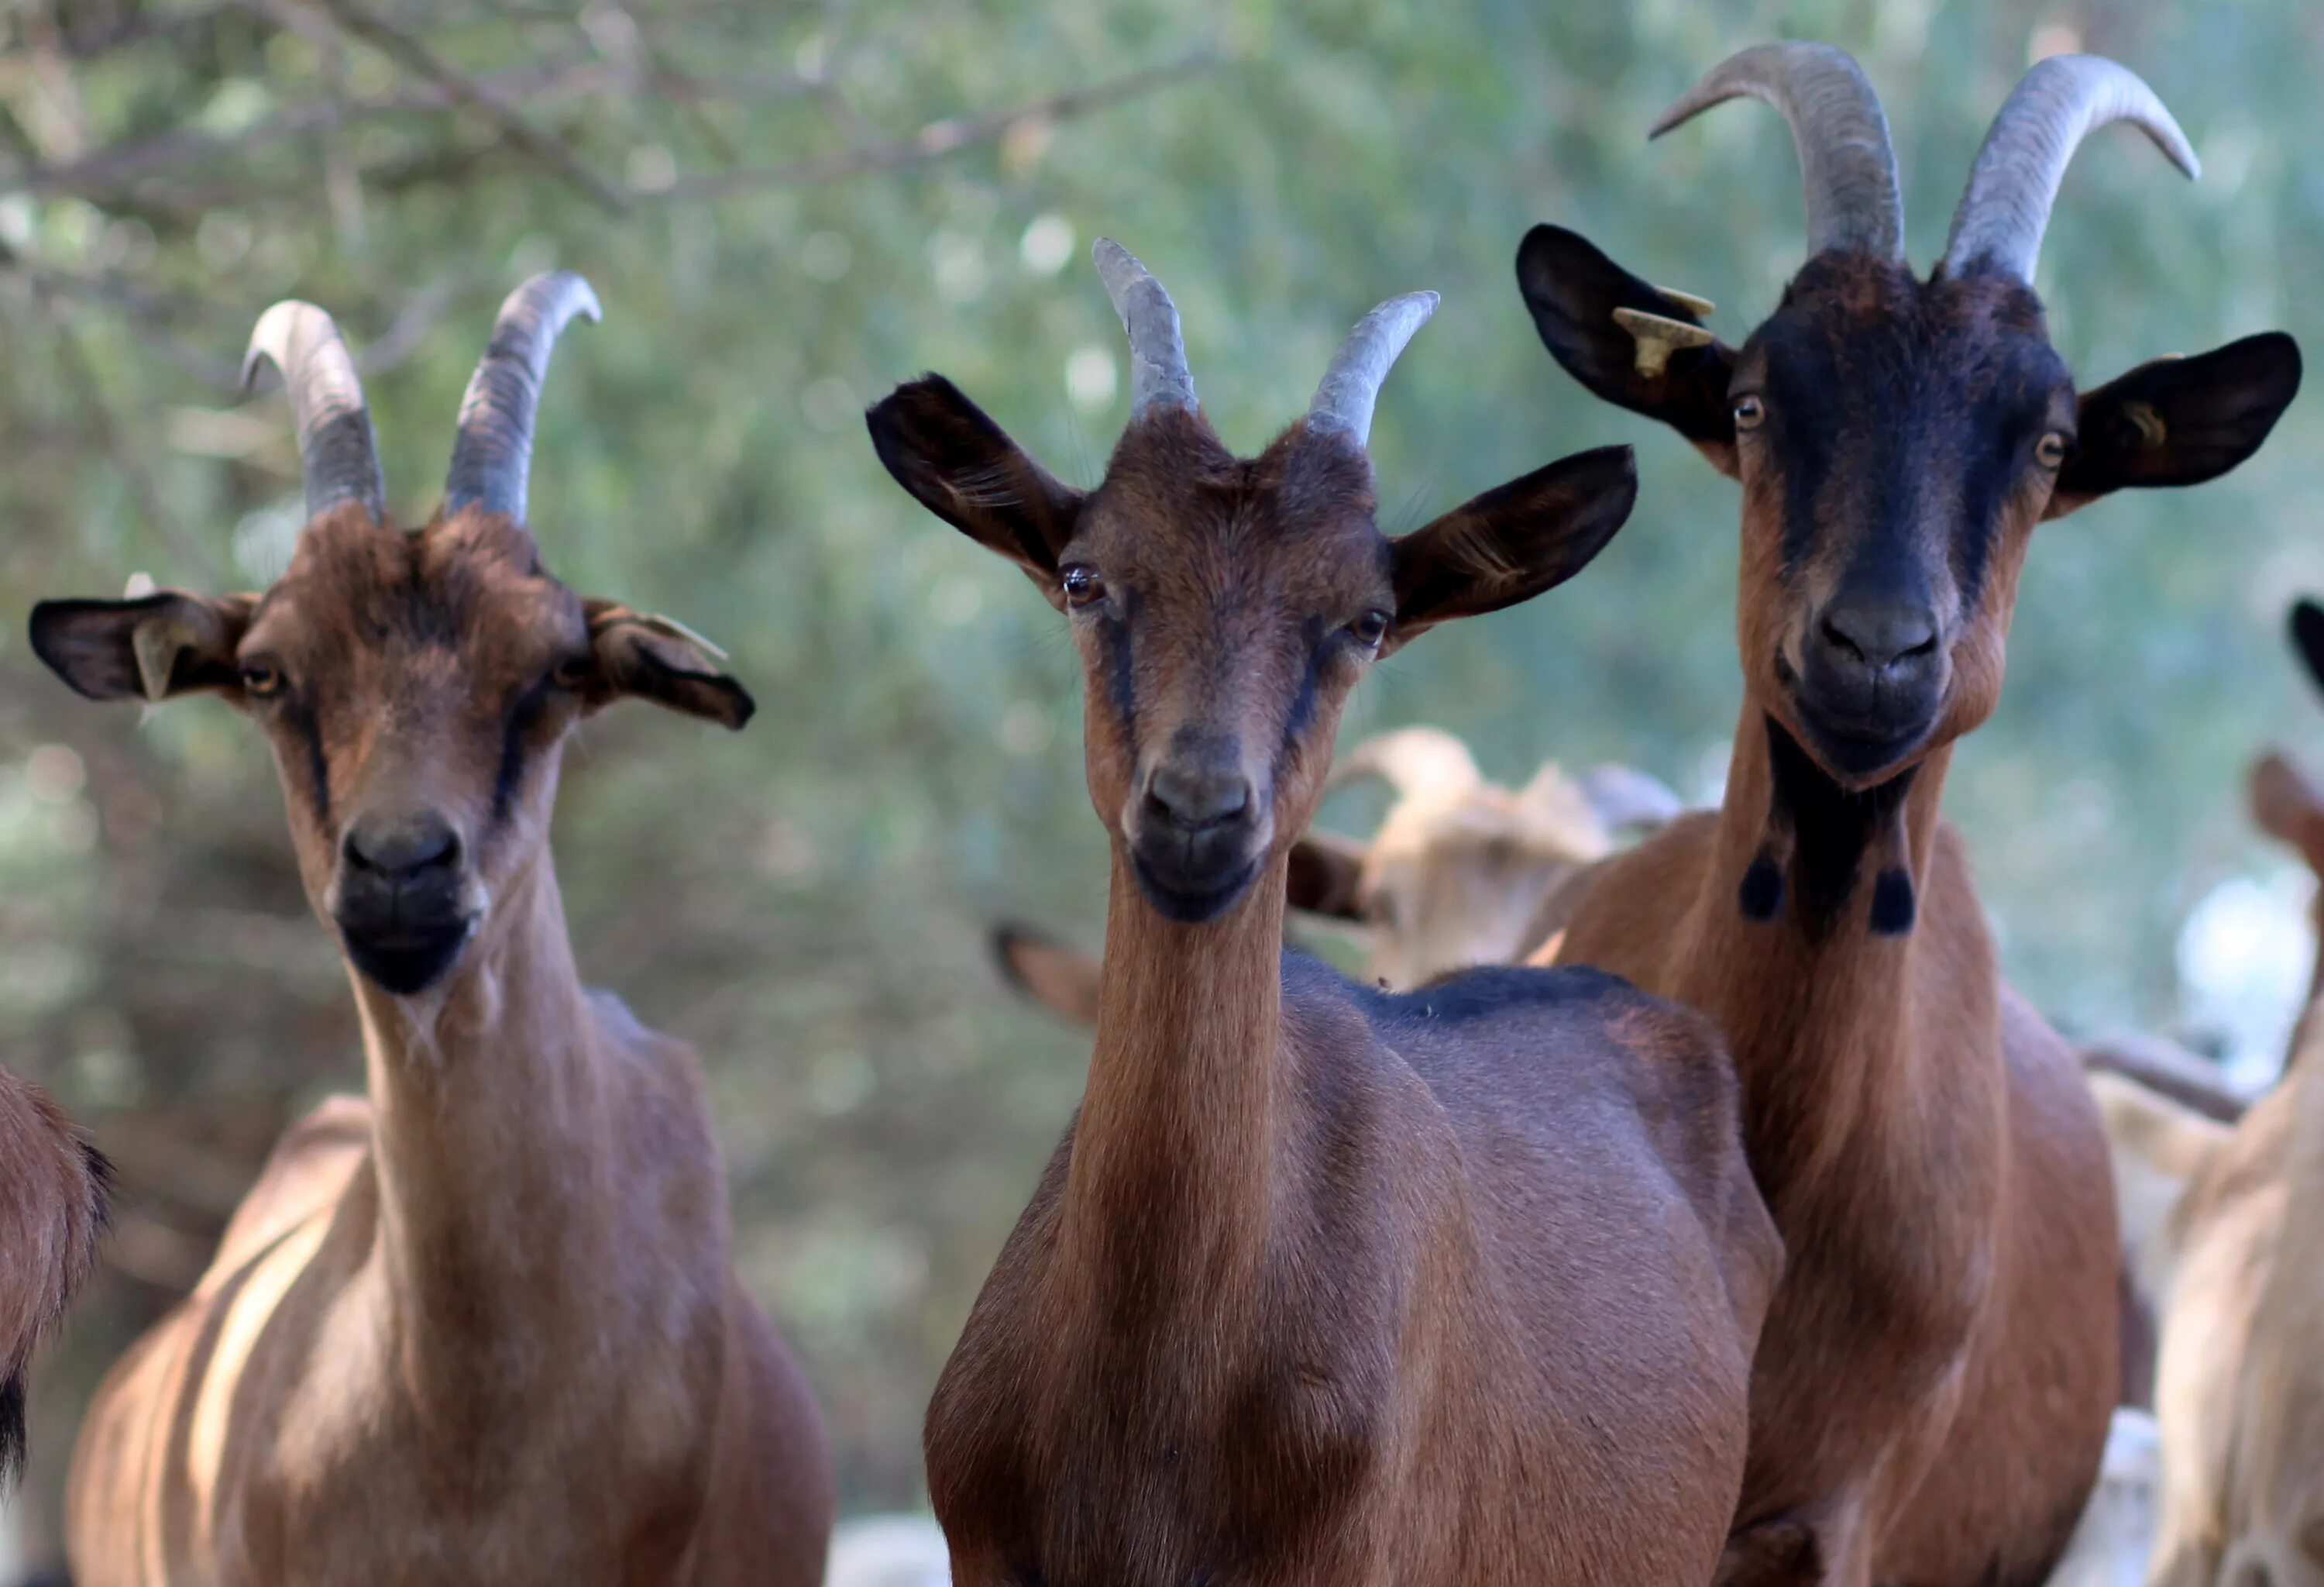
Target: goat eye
[262,679]
[573,671]
[1750,412]
[1371,628]
[1081,586]
[2050,451]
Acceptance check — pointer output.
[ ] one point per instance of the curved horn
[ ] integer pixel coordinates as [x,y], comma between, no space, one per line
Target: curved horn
[337,450]
[1418,762]
[1343,403]
[492,457]
[2057,104]
[1847,164]
[1157,353]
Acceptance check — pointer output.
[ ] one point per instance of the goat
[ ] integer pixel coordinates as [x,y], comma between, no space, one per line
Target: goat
[1460,873]
[484,1325]
[1933,1385]
[2220,1222]
[53,1191]
[1324,1285]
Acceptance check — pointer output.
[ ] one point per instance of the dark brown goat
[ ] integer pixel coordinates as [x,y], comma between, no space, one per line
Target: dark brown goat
[484,1327]
[1324,1286]
[1933,1390]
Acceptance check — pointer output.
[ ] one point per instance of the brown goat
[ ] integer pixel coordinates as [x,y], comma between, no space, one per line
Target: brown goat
[2222,1229]
[52,1211]
[1324,1286]
[484,1327]
[1933,1390]
[1460,873]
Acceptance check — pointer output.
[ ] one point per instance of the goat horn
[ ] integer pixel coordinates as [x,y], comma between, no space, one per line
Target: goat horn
[2057,104]
[1416,762]
[1157,351]
[1847,164]
[492,457]
[1344,401]
[339,453]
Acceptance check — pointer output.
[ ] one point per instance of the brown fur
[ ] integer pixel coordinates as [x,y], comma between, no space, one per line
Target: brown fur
[2286,805]
[1932,1391]
[52,1214]
[1326,1286]
[482,1326]
[2240,1388]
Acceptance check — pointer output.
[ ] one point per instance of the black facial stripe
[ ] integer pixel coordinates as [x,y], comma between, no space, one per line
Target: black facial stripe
[521,718]
[1833,828]
[1802,418]
[1120,676]
[300,716]
[1302,715]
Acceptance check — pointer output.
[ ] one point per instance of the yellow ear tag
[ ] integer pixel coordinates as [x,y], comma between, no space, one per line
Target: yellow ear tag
[156,642]
[2152,431]
[1700,307]
[672,628]
[1659,337]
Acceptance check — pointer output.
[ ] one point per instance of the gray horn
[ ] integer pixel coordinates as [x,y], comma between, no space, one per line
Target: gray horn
[493,456]
[1847,164]
[2006,207]
[1343,403]
[337,450]
[1157,351]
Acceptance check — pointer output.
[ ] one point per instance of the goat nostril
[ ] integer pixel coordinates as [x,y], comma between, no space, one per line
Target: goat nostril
[1196,799]
[1837,638]
[402,851]
[1880,635]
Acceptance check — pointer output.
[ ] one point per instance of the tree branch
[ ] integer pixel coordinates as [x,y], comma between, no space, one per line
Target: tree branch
[934,141]
[417,57]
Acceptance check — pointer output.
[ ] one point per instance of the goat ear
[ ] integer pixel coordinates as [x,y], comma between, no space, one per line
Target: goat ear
[1513,543]
[2178,421]
[2158,1147]
[1573,290]
[155,647]
[646,657]
[963,467]
[1325,872]
[2307,627]
[2286,804]
[1063,980]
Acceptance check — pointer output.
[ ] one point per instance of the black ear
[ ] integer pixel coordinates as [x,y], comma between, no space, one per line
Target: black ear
[1573,289]
[1324,874]
[2178,421]
[639,656]
[153,647]
[1513,543]
[963,467]
[2308,636]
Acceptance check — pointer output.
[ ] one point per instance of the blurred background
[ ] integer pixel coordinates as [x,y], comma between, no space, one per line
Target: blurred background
[786,209]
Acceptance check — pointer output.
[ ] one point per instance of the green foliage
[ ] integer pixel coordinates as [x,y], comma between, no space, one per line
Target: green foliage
[806,903]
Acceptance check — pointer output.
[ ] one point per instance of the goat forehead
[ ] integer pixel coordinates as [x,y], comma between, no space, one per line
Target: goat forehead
[430,607]
[1858,345]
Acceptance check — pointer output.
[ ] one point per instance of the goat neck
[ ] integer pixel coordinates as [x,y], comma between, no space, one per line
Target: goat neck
[1171,1156]
[493,1123]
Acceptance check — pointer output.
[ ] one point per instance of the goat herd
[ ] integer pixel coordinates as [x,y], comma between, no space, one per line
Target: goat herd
[1768,1237]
